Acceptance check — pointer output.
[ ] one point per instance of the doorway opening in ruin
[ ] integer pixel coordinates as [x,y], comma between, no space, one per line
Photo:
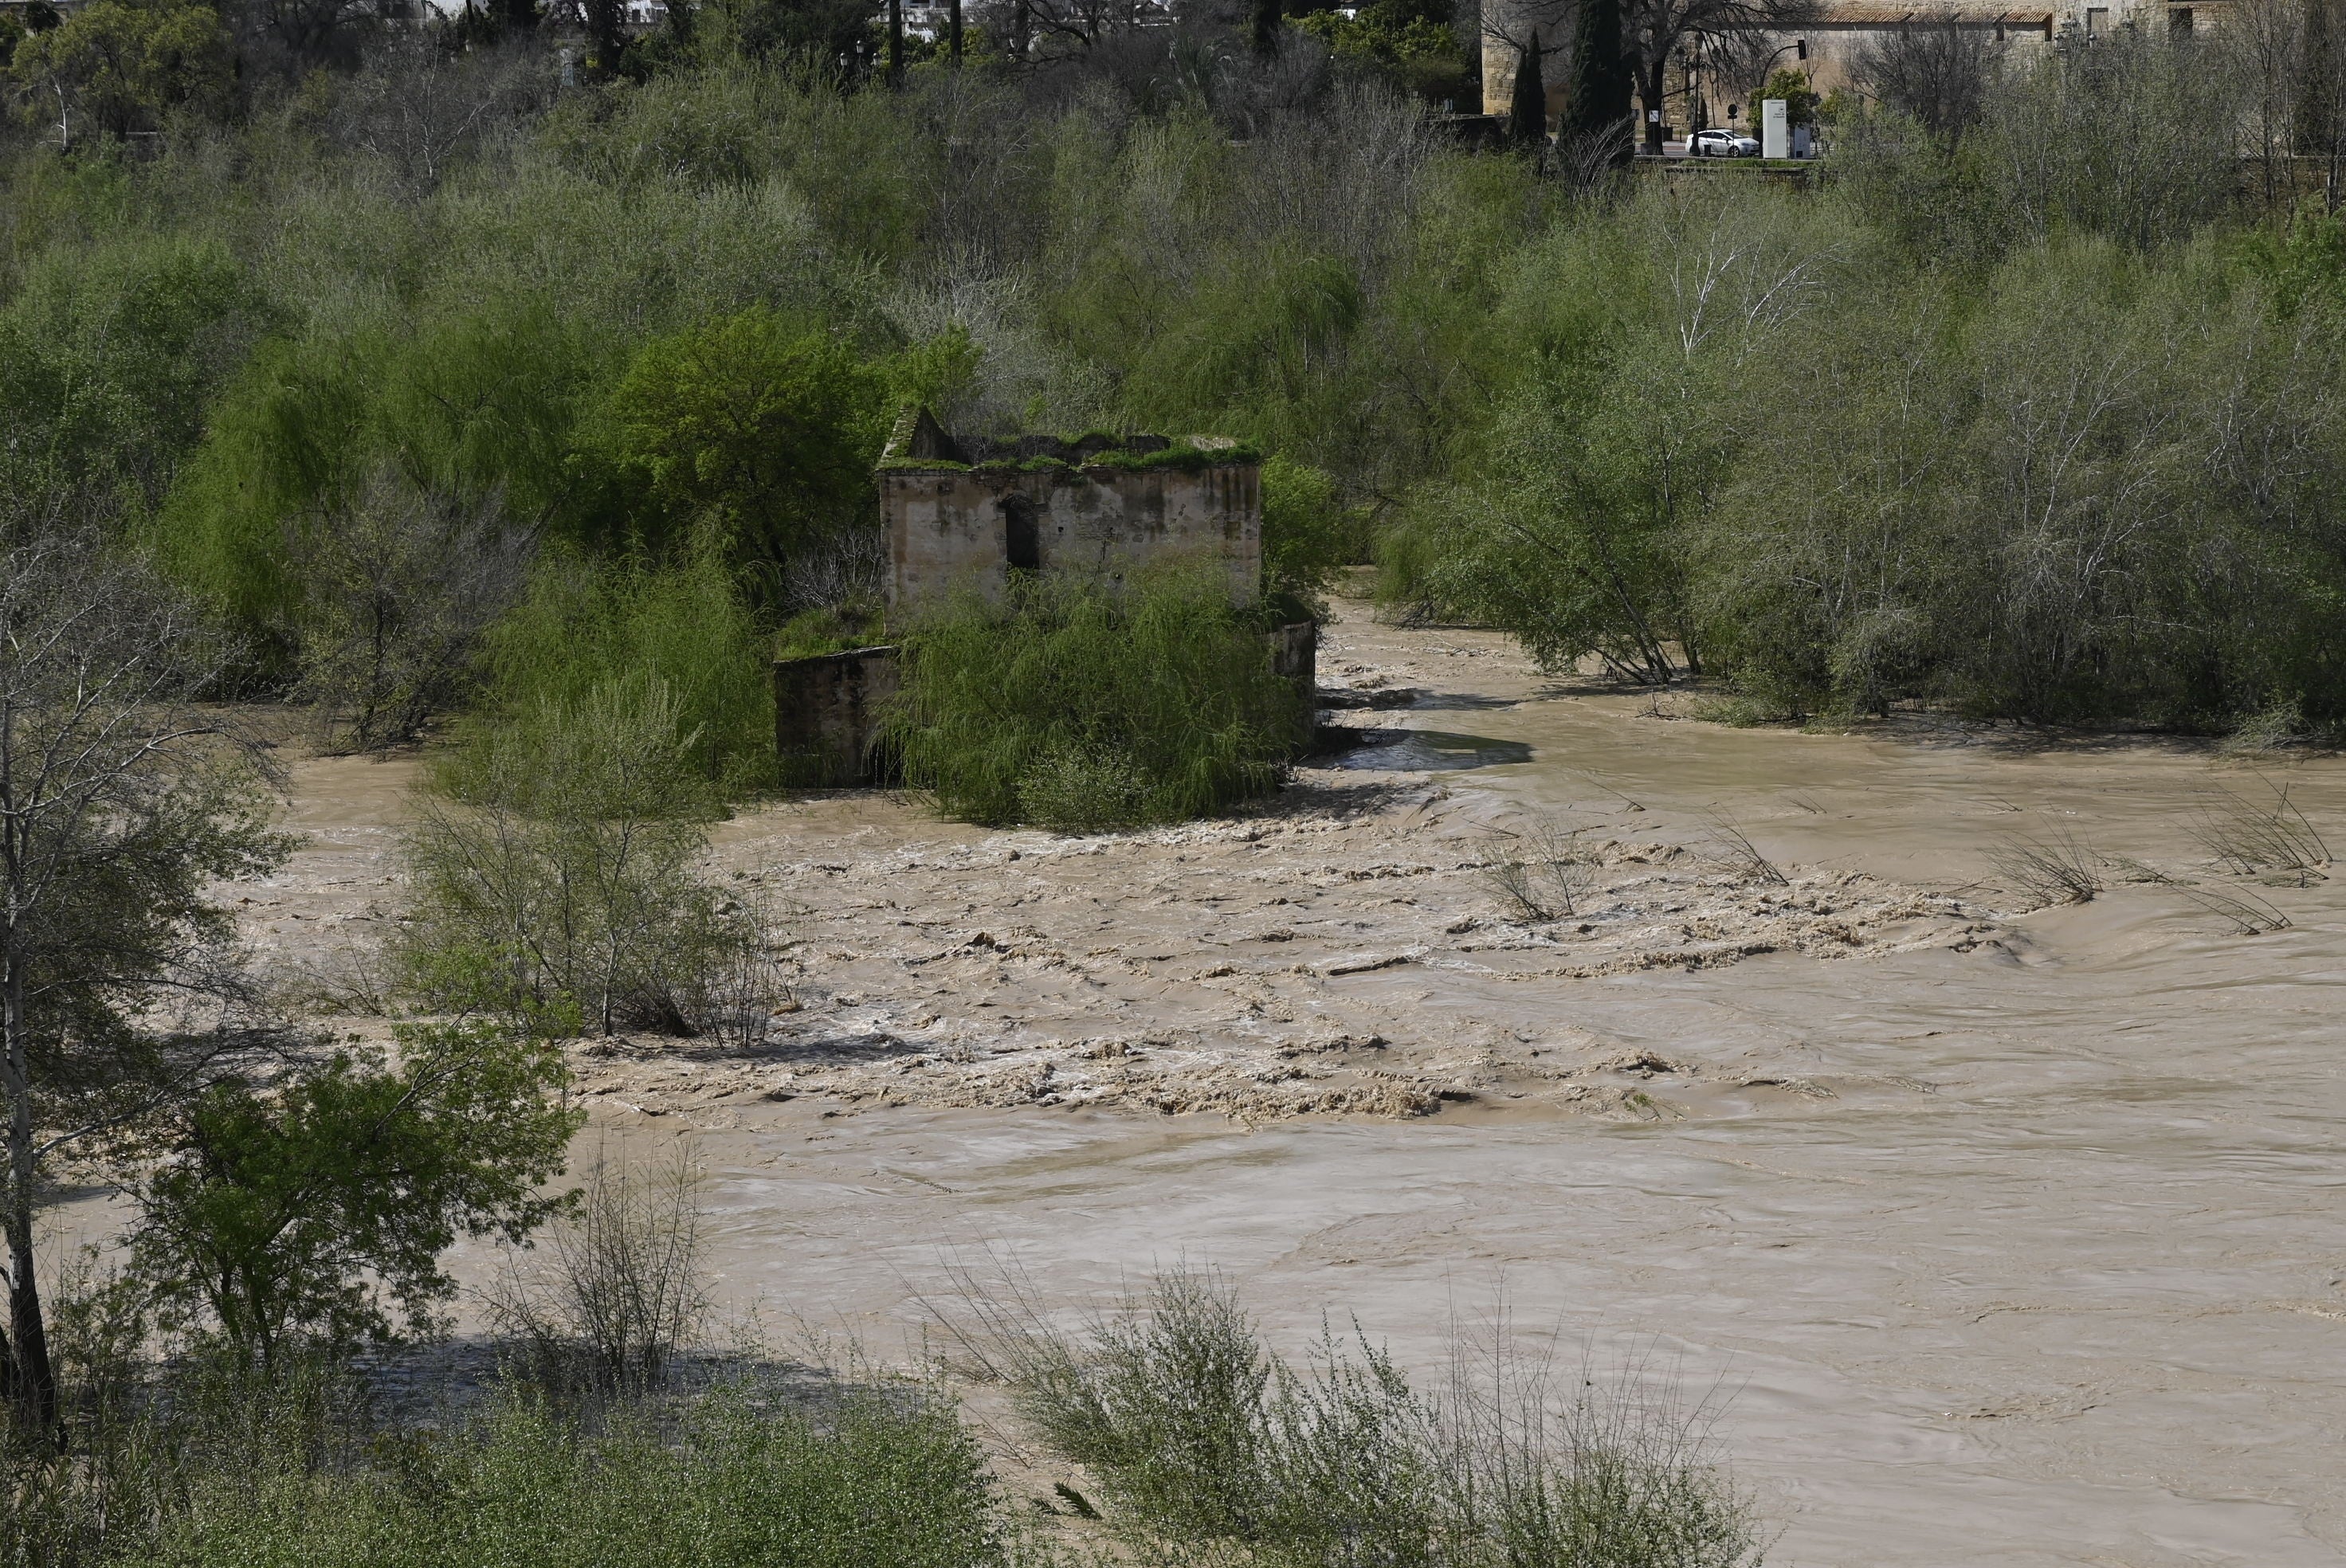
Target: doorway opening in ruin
[1021,535]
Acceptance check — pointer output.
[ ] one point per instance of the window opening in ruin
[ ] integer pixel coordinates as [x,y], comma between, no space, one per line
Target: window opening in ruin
[1021,535]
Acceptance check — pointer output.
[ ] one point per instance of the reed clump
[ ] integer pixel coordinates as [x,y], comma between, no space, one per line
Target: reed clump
[2058,869]
[1204,1441]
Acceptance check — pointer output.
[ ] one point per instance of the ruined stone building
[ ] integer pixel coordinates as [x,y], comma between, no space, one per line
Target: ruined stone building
[962,514]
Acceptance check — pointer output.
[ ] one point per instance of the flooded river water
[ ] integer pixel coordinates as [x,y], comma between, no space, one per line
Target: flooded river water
[1999,1235]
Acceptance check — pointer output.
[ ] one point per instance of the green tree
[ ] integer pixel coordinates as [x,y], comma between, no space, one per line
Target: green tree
[583,626]
[115,68]
[319,1206]
[556,876]
[756,436]
[1409,41]
[121,803]
[1596,113]
[1303,535]
[1800,99]
[107,356]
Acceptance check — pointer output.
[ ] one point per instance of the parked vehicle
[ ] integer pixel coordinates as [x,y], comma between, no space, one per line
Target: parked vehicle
[1722,143]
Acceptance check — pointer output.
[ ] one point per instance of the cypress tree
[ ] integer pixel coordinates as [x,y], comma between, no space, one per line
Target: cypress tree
[1527,110]
[1598,109]
[1266,18]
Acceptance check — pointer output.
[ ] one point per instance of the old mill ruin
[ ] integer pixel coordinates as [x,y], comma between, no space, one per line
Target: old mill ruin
[962,515]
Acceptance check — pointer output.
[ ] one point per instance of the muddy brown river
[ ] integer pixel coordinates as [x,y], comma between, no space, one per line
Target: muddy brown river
[1995,1234]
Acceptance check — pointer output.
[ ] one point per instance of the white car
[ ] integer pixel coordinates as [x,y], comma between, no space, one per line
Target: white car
[1722,143]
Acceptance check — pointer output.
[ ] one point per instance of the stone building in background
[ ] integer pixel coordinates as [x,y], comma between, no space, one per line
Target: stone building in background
[1706,76]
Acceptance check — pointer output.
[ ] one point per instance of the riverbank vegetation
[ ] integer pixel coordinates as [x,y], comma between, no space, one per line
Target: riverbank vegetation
[515,390]
[441,383]
[1079,708]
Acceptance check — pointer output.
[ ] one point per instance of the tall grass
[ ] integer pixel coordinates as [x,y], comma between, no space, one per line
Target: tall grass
[1201,1436]
[735,1479]
[1075,707]
[211,1474]
[208,1460]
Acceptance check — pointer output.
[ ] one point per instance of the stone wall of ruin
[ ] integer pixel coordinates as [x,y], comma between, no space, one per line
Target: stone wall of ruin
[949,531]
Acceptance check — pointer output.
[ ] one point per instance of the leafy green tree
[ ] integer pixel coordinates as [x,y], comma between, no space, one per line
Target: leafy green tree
[756,436]
[114,68]
[1800,100]
[122,802]
[828,30]
[583,626]
[109,354]
[1409,41]
[1567,536]
[319,1206]
[1304,534]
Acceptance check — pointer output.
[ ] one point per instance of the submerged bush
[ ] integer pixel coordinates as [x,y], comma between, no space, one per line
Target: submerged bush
[582,627]
[1201,1436]
[1077,708]
[556,876]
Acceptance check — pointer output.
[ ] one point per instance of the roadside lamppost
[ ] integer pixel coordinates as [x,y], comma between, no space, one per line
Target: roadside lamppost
[1693,65]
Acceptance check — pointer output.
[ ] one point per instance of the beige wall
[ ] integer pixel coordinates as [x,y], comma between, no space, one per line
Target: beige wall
[1499,71]
[948,531]
[1833,38]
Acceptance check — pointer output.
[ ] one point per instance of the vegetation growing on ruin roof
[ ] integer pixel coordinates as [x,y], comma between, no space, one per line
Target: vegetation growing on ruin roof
[1182,454]
[1044,463]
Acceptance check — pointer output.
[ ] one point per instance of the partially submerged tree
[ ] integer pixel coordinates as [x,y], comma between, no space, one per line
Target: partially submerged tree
[121,801]
[319,1206]
[557,877]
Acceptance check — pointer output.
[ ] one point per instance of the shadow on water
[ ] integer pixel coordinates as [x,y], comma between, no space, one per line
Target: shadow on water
[1415,750]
